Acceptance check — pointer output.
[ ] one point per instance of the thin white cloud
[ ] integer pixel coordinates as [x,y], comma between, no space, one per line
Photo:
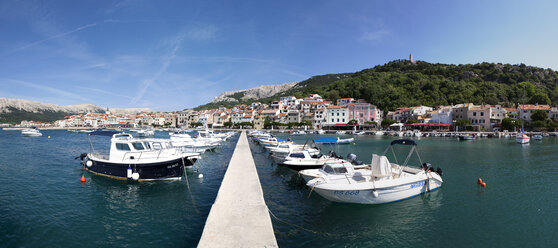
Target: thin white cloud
[118,5]
[104,92]
[374,35]
[146,83]
[52,38]
[58,92]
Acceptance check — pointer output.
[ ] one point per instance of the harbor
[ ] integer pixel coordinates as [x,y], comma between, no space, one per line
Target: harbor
[106,211]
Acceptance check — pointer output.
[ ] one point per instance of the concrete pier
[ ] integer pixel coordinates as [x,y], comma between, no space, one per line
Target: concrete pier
[239,217]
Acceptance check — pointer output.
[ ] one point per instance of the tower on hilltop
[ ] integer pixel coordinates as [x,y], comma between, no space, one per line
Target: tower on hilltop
[411,58]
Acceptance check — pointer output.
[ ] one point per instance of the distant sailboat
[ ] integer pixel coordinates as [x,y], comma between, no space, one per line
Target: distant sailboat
[521,137]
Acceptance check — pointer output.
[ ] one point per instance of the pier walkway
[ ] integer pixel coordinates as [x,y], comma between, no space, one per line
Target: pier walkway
[239,217]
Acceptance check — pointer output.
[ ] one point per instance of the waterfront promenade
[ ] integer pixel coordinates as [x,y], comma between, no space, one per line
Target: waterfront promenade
[239,217]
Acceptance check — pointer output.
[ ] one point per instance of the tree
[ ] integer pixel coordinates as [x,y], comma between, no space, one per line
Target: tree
[540,98]
[196,124]
[352,122]
[462,123]
[510,124]
[228,124]
[306,123]
[411,121]
[267,122]
[387,122]
[539,115]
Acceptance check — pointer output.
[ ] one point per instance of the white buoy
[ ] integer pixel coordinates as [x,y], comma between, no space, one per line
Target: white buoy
[375,193]
[135,176]
[129,172]
[200,176]
[89,163]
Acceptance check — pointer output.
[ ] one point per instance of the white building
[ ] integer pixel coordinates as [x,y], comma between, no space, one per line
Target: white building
[337,115]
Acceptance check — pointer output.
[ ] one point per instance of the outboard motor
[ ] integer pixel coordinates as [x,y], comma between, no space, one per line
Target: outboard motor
[352,158]
[426,167]
[439,171]
[81,156]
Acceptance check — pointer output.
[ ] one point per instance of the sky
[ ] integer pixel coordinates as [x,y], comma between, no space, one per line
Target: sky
[170,55]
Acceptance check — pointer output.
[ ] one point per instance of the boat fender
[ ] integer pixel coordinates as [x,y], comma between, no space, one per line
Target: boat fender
[89,163]
[129,172]
[375,193]
[135,176]
[479,181]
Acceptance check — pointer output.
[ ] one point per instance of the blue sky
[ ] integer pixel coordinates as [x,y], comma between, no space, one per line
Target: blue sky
[171,55]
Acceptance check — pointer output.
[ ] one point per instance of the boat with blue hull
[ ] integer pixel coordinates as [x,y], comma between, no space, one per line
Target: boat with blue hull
[137,159]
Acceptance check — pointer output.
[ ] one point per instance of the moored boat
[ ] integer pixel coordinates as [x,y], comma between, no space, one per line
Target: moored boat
[136,159]
[31,132]
[384,182]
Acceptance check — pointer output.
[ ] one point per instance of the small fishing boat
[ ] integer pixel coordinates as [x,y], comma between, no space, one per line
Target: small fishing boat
[31,132]
[359,133]
[466,137]
[137,159]
[320,131]
[145,133]
[341,132]
[537,137]
[384,182]
[334,140]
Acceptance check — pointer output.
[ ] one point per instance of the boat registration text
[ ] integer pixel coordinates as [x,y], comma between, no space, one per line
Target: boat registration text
[346,192]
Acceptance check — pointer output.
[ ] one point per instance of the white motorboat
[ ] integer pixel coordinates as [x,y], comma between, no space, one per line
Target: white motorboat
[537,137]
[283,149]
[137,159]
[301,160]
[186,142]
[338,167]
[31,132]
[359,133]
[334,140]
[145,133]
[341,132]
[522,138]
[299,132]
[379,133]
[385,182]
[320,131]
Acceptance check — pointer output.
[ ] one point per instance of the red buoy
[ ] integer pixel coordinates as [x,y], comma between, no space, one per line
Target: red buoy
[82,178]
[479,181]
[483,184]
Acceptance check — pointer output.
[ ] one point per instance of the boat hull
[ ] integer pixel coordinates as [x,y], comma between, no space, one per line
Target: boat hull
[385,195]
[170,169]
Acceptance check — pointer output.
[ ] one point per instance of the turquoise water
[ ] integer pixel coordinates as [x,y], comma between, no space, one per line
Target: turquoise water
[43,203]
[518,208]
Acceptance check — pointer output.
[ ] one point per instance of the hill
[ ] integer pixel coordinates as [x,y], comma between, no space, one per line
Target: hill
[17,110]
[401,83]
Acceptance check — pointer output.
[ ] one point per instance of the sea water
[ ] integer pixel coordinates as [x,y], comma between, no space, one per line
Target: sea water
[518,207]
[44,204]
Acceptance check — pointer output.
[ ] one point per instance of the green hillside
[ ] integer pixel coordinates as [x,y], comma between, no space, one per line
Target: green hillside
[15,116]
[401,83]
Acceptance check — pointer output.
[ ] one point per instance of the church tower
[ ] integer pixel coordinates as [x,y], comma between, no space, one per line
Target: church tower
[411,58]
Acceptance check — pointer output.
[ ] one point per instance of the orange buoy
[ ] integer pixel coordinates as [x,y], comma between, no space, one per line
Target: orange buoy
[479,181]
[483,184]
[82,178]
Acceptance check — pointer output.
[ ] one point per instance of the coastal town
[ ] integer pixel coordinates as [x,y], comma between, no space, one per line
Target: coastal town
[313,112]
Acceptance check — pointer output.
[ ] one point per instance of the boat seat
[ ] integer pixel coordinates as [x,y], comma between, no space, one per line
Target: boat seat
[380,167]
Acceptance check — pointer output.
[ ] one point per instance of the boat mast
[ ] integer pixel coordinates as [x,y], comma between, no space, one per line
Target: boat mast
[523,102]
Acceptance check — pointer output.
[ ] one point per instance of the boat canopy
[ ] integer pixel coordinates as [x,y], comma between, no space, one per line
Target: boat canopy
[404,142]
[325,140]
[103,133]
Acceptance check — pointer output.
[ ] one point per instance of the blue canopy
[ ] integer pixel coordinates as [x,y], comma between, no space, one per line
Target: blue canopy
[103,133]
[325,140]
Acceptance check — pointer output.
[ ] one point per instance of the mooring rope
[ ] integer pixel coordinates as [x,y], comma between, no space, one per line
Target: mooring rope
[188,185]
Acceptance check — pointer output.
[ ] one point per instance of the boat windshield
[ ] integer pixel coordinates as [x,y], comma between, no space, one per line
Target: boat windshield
[335,170]
[138,146]
[147,146]
[297,155]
